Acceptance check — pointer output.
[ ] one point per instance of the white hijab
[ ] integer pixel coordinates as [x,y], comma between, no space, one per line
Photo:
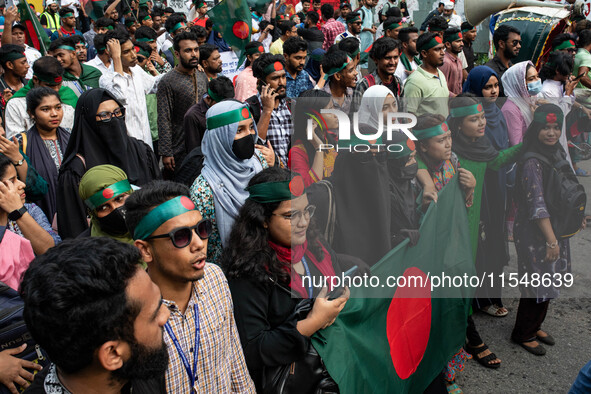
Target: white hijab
[370,109]
[516,89]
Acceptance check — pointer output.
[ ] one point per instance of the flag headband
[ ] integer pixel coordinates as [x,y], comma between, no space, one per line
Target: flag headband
[108,193]
[253,50]
[214,96]
[144,39]
[548,117]
[337,69]
[271,68]
[141,52]
[453,37]
[161,214]
[465,30]
[68,15]
[460,112]
[198,4]
[49,79]
[430,44]
[566,45]
[109,27]
[393,26]
[227,118]
[12,56]
[129,22]
[180,25]
[67,48]
[407,148]
[355,19]
[269,192]
[147,18]
[431,131]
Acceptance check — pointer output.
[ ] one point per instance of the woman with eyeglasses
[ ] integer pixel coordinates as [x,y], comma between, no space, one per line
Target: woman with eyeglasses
[231,159]
[272,248]
[99,137]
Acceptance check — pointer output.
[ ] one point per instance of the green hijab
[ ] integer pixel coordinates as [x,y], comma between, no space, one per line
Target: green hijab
[95,180]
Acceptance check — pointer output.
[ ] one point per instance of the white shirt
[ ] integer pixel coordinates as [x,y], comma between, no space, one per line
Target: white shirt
[161,39]
[97,63]
[132,89]
[401,70]
[31,54]
[17,120]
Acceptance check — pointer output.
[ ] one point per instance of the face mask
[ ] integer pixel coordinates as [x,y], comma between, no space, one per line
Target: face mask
[534,87]
[243,148]
[410,171]
[114,223]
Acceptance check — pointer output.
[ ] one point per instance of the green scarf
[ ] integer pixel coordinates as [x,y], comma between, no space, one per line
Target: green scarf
[406,62]
[66,94]
[90,76]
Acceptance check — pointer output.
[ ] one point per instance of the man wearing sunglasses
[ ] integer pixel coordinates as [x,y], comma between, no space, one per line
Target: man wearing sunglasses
[507,42]
[201,335]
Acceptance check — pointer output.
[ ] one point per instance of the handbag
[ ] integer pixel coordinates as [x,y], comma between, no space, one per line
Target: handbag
[306,375]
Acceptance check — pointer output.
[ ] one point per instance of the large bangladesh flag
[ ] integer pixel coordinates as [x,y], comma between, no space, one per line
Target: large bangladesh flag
[384,341]
[232,18]
[35,33]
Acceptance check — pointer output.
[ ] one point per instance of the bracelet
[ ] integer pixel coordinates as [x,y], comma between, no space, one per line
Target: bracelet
[552,245]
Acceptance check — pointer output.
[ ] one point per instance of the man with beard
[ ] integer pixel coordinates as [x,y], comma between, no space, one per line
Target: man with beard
[98,316]
[78,77]
[409,61]
[507,42]
[353,27]
[211,60]
[342,78]
[298,80]
[130,84]
[426,89]
[452,65]
[50,18]
[269,107]
[385,53]
[201,335]
[178,90]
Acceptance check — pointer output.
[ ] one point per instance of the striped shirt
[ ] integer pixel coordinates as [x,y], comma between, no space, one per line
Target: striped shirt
[220,367]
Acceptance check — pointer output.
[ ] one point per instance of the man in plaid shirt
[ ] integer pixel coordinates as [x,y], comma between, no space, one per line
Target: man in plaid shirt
[331,28]
[201,336]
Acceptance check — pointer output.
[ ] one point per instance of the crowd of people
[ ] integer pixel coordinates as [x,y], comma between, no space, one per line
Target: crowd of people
[159,218]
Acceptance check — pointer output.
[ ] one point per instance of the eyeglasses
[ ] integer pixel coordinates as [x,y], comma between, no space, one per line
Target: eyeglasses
[296,216]
[182,236]
[106,117]
[516,42]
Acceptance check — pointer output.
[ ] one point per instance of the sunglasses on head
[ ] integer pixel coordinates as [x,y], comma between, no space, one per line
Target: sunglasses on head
[182,236]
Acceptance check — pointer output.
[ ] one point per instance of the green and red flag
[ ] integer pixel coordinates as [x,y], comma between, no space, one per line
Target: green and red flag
[34,32]
[392,339]
[232,18]
[93,8]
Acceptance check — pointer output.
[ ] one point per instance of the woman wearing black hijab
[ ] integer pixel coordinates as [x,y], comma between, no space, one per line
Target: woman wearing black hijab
[99,137]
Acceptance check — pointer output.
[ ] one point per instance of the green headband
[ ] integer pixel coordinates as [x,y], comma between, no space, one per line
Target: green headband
[271,68]
[147,18]
[253,50]
[162,213]
[198,4]
[68,15]
[431,131]
[407,148]
[48,78]
[129,22]
[230,117]
[108,193]
[465,30]
[393,26]
[67,48]
[356,53]
[214,96]
[12,56]
[109,27]
[141,52]
[453,37]
[548,117]
[337,69]
[460,112]
[269,192]
[355,19]
[430,44]
[179,25]
[566,45]
[144,39]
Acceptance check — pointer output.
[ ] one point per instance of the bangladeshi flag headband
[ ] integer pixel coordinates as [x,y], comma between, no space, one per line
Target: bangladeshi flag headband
[432,43]
[453,37]
[269,192]
[108,193]
[227,118]
[162,213]
[566,45]
[431,131]
[548,117]
[271,68]
[460,112]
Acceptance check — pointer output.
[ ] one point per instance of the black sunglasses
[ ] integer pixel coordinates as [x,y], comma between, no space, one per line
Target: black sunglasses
[182,236]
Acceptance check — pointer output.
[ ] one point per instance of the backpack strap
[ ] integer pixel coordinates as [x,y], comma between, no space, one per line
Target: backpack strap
[534,155]
[371,80]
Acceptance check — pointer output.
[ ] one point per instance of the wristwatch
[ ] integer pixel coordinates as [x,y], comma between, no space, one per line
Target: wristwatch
[19,163]
[17,213]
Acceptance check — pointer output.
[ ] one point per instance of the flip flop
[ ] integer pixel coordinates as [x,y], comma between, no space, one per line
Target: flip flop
[485,360]
[495,311]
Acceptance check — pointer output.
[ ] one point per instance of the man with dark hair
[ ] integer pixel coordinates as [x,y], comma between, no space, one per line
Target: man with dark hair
[298,80]
[269,106]
[385,52]
[14,62]
[409,61]
[201,333]
[345,9]
[148,36]
[175,25]
[392,27]
[305,9]
[99,26]
[331,28]
[81,48]
[342,78]
[218,89]
[564,43]
[353,28]
[310,32]
[438,25]
[199,17]
[245,83]
[426,89]
[436,12]
[112,339]
[177,92]
[583,60]
[102,60]
[468,36]
[452,65]
[288,29]
[78,77]
[316,6]
[15,34]
[48,72]
[130,84]
[145,19]
[210,60]
[68,24]
[111,12]
[507,42]
[200,33]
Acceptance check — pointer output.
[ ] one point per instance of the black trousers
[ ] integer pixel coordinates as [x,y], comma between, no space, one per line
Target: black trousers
[530,316]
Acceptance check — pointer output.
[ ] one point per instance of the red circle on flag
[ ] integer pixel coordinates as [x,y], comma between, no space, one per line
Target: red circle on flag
[460,35]
[261,49]
[551,118]
[438,39]
[108,193]
[408,323]
[411,144]
[296,186]
[57,79]
[479,107]
[278,66]
[187,203]
[245,113]
[444,127]
[240,30]
[572,42]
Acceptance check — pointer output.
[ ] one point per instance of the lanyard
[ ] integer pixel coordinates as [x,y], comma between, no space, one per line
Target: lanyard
[192,374]
[310,290]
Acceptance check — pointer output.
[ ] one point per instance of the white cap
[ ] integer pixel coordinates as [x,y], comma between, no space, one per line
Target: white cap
[50,2]
[448,5]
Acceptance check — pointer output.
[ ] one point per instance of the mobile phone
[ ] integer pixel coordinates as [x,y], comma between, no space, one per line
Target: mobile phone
[338,291]
[581,75]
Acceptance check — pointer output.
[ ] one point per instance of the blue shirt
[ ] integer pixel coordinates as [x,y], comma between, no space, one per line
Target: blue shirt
[302,82]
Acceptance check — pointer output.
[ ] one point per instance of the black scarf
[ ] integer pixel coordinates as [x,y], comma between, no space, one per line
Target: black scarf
[108,143]
[479,150]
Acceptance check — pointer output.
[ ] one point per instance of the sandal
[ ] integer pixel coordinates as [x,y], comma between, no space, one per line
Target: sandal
[537,350]
[484,360]
[495,310]
[454,389]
